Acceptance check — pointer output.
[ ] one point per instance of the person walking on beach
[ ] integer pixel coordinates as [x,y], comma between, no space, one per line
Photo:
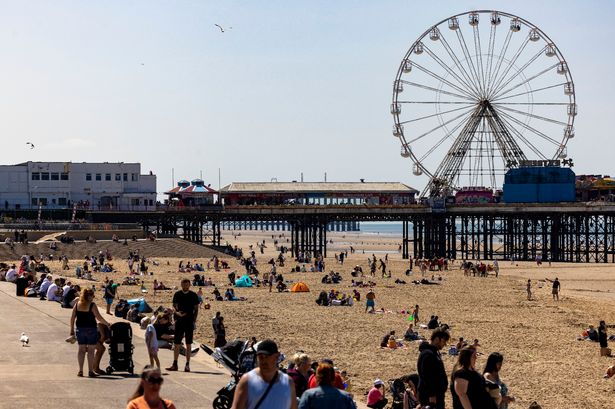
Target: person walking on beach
[265,386]
[109,295]
[468,385]
[84,316]
[147,395]
[432,375]
[214,324]
[529,290]
[186,305]
[326,395]
[556,288]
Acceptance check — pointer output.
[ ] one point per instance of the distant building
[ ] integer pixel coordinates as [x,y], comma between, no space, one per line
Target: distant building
[191,194]
[56,185]
[539,184]
[318,193]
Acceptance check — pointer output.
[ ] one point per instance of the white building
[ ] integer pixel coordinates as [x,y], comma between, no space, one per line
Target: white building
[105,186]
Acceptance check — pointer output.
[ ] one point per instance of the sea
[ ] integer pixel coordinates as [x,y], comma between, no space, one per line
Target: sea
[384,228]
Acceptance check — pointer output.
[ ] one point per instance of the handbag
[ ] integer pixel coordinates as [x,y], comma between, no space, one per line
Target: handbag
[273,380]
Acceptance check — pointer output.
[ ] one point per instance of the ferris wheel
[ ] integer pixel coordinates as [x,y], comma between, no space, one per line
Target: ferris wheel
[477,94]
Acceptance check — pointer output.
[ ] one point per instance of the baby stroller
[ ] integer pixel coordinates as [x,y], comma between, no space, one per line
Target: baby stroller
[238,357]
[120,348]
[397,388]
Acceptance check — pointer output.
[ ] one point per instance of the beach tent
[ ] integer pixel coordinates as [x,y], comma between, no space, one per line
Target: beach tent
[300,287]
[243,281]
[143,305]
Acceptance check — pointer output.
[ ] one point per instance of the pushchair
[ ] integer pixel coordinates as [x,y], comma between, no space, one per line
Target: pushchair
[238,357]
[397,388]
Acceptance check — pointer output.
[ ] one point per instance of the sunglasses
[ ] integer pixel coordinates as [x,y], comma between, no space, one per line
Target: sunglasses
[155,380]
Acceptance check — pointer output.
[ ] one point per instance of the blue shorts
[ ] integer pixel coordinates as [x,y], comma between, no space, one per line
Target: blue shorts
[87,335]
[370,303]
[109,301]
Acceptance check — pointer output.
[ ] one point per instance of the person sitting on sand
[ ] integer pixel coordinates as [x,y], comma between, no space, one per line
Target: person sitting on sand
[592,334]
[133,314]
[216,294]
[411,334]
[375,396]
[433,322]
[356,294]
[323,299]
[393,343]
[385,340]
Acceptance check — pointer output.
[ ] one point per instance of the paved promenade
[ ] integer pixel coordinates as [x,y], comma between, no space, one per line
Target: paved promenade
[44,374]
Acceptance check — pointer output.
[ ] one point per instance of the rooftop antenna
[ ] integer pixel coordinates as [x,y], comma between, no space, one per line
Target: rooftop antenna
[301,177]
[201,177]
[325,177]
[172,176]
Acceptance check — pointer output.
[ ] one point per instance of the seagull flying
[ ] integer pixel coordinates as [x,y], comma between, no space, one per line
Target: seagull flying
[221,29]
[24,339]
[30,144]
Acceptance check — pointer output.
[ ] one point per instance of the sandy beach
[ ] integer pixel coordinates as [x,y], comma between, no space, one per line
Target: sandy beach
[543,360]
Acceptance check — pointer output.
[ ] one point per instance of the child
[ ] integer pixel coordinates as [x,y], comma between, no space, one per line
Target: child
[151,342]
[200,296]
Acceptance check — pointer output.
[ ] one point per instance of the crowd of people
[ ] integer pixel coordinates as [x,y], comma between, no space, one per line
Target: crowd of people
[303,383]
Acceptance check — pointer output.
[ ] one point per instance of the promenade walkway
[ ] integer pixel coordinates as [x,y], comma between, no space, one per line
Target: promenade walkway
[44,374]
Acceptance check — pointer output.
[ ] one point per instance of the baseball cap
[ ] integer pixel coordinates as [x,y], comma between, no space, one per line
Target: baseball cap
[266,347]
[378,382]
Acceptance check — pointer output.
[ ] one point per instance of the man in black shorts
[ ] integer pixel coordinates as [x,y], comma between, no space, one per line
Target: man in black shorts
[186,305]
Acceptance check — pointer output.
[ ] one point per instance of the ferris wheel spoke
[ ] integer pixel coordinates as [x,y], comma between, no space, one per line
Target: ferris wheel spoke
[519,72]
[498,64]
[470,83]
[520,136]
[439,78]
[468,58]
[511,64]
[439,142]
[529,92]
[529,128]
[532,103]
[427,87]
[543,118]
[533,77]
[434,102]
[442,125]
[479,56]
[461,81]
[490,48]
[432,115]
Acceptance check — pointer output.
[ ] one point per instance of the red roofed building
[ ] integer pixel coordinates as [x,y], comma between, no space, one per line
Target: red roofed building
[192,194]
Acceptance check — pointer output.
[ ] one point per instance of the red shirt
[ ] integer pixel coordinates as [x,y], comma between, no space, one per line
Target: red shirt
[338,383]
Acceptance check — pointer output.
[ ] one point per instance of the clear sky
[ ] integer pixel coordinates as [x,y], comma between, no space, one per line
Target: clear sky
[294,86]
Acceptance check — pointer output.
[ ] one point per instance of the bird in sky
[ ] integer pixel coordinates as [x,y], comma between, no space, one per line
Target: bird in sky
[30,144]
[221,29]
[24,339]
